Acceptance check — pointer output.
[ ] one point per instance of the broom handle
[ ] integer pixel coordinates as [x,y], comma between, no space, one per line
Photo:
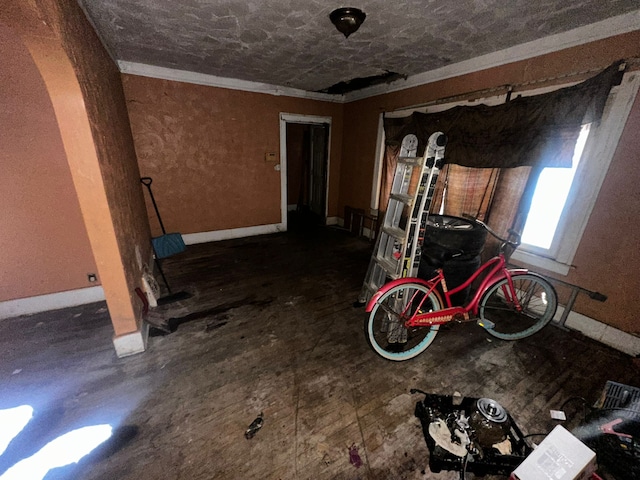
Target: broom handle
[146,181]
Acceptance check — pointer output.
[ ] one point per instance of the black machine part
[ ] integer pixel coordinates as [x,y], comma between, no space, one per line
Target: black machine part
[490,422]
[480,460]
[491,410]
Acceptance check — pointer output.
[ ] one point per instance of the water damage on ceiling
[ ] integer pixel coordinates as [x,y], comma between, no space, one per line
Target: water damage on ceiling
[341,88]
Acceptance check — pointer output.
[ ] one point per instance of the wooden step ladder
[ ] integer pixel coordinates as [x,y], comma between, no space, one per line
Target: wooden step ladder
[397,249]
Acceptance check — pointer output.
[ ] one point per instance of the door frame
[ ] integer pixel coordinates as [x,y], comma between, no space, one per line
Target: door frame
[308,120]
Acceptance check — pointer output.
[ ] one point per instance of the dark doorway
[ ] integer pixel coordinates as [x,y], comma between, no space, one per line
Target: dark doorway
[307,158]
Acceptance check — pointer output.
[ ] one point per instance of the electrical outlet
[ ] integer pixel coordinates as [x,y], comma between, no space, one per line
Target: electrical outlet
[92,277]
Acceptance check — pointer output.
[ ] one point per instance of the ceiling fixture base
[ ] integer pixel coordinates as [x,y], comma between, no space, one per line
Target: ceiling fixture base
[347,19]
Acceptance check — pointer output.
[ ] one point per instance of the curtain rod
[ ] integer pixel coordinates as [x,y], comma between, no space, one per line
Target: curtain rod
[629,64]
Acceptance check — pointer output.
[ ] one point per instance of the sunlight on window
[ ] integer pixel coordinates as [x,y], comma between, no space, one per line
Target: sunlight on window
[550,197]
[64,450]
[12,422]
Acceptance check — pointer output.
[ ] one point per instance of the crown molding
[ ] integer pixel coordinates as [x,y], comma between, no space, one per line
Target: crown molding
[610,27]
[578,36]
[173,74]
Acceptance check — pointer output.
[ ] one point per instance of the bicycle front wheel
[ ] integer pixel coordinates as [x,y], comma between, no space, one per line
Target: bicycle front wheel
[537,300]
[386,331]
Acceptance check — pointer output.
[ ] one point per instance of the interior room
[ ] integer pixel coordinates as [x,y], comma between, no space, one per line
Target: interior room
[214,321]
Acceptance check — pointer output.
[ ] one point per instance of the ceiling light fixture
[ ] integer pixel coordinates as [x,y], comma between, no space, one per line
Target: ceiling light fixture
[347,20]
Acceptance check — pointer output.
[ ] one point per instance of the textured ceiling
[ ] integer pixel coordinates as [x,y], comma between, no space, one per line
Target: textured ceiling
[292,42]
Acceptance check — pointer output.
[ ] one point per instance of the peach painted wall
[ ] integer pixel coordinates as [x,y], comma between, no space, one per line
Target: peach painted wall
[103,96]
[85,88]
[44,246]
[608,258]
[618,203]
[205,149]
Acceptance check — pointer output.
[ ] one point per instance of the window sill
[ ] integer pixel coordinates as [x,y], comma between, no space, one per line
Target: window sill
[541,262]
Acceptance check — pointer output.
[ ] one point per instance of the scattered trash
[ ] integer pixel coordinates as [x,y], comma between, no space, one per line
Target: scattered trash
[455,443]
[16,371]
[354,457]
[557,415]
[254,427]
[504,447]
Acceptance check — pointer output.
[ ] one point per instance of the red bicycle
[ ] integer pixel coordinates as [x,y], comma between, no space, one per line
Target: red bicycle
[510,303]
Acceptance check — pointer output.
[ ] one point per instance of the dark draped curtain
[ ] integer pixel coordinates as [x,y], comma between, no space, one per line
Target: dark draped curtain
[528,131]
[495,154]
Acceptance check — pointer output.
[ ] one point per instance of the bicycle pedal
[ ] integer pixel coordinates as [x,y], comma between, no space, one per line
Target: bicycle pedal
[486,324]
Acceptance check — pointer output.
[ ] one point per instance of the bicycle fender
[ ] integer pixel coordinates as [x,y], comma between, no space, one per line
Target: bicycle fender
[388,286]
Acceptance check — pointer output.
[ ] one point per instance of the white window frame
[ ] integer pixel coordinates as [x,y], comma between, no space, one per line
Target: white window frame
[550,175]
[596,158]
[594,164]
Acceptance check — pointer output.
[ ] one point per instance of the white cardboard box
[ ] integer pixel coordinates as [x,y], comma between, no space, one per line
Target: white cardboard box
[560,456]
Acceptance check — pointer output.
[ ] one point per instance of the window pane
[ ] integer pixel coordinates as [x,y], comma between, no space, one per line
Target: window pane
[549,199]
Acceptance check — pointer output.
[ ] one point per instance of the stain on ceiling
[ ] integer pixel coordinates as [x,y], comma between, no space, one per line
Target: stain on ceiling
[292,43]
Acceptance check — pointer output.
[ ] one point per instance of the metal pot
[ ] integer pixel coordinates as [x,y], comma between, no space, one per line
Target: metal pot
[490,422]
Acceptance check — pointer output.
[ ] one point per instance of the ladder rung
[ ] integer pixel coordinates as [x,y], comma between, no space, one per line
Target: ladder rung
[388,266]
[417,203]
[395,232]
[410,160]
[401,197]
[372,287]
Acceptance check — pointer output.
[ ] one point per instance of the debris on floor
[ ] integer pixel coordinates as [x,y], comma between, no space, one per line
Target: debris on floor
[166,321]
[254,427]
[354,456]
[477,430]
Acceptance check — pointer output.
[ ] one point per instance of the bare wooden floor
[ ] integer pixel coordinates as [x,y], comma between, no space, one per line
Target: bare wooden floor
[271,329]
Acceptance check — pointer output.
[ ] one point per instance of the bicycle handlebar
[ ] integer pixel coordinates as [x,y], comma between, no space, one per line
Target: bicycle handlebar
[506,241]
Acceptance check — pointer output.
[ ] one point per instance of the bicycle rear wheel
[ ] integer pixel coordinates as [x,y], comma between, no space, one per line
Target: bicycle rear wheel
[386,331]
[536,297]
